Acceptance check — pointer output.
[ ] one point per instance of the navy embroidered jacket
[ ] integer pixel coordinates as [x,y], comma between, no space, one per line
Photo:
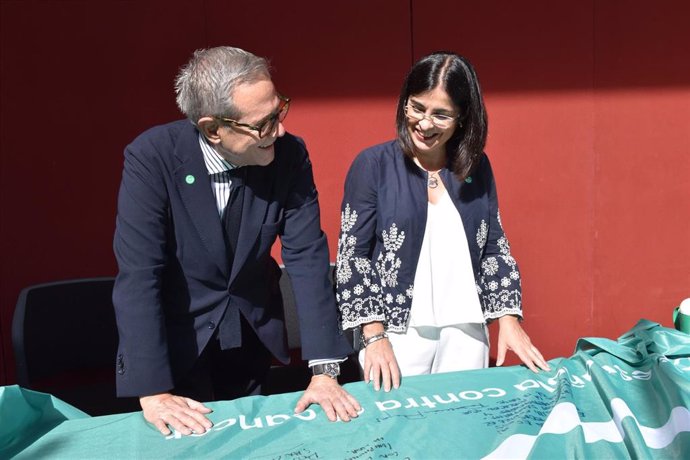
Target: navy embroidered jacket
[383,218]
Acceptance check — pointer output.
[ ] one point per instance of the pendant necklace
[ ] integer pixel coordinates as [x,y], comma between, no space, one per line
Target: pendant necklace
[432,180]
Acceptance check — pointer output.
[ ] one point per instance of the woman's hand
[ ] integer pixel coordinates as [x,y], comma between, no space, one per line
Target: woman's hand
[511,336]
[380,364]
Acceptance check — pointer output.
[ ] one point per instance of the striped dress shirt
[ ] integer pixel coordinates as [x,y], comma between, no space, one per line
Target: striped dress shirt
[219,171]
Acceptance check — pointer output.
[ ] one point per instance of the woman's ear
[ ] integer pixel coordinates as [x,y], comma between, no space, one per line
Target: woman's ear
[209,127]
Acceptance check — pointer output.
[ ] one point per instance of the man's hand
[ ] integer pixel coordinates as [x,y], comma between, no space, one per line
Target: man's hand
[334,400]
[183,414]
[511,336]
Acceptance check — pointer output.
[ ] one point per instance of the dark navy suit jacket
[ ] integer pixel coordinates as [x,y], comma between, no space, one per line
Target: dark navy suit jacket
[175,281]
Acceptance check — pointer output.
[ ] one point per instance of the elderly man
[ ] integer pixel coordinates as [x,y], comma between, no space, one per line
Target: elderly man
[201,202]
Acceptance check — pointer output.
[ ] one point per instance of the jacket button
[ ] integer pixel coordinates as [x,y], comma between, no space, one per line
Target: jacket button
[211,325]
[120,365]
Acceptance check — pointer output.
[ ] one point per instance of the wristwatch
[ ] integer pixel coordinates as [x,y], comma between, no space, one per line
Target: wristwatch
[330,369]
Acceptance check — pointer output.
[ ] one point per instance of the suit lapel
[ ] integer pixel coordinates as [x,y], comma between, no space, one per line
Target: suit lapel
[257,194]
[193,183]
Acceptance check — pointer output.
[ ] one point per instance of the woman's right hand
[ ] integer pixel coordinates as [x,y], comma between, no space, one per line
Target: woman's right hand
[380,364]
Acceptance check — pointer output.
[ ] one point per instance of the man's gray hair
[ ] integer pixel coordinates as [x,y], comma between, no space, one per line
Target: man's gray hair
[204,85]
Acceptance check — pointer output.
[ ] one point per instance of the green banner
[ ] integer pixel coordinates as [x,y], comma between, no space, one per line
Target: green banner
[612,399]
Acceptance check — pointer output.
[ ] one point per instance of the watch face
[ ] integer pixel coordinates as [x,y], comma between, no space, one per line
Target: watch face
[330,369]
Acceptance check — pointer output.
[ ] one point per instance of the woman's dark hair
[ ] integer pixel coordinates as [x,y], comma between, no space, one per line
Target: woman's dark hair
[455,75]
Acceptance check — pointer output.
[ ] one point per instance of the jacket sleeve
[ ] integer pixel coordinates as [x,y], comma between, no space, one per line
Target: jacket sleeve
[358,291]
[306,258]
[499,287]
[143,366]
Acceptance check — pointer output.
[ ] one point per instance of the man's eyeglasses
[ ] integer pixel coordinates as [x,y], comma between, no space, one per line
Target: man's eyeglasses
[265,127]
[416,113]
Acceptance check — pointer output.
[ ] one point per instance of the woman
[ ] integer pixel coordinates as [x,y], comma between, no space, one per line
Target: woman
[423,263]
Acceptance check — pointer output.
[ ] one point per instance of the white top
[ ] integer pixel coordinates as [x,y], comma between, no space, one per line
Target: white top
[445,293]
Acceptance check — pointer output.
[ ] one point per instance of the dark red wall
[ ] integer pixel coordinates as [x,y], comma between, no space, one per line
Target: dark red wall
[589,106]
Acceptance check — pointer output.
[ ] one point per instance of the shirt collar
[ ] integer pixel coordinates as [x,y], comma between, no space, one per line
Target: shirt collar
[215,164]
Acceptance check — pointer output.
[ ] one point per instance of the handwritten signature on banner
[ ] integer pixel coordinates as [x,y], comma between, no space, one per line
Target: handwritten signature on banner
[378,448]
[529,410]
[513,413]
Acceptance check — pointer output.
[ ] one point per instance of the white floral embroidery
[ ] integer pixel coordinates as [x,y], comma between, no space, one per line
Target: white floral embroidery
[392,241]
[365,305]
[490,266]
[503,302]
[503,245]
[346,245]
[343,272]
[499,286]
[482,234]
[400,299]
[387,265]
[361,265]
[348,219]
[389,298]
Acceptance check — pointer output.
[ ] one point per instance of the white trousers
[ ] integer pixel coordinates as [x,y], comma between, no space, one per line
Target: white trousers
[431,350]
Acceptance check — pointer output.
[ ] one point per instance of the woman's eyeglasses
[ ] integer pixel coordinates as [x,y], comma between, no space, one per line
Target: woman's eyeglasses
[440,120]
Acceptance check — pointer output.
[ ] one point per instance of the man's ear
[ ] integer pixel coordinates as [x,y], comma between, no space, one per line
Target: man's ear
[209,127]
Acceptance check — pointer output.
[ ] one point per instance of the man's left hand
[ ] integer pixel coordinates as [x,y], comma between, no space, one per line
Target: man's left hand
[334,400]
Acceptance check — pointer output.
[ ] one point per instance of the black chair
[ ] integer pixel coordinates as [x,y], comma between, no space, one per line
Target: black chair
[65,341]
[296,375]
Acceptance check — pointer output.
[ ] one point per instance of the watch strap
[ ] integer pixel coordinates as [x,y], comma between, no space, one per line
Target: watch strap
[330,369]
